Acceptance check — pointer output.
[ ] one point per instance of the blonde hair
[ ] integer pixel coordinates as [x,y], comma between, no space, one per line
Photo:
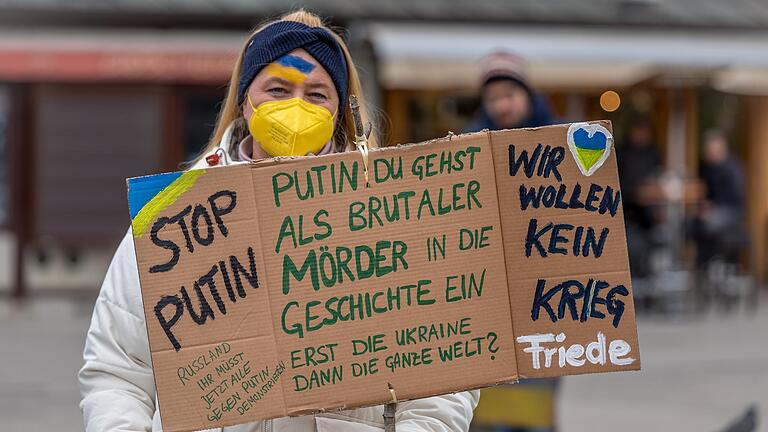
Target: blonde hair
[344,135]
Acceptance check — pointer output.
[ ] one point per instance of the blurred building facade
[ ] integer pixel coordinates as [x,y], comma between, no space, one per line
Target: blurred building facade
[93,92]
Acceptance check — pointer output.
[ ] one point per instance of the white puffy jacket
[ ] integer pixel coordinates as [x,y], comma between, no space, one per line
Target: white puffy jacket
[118,388]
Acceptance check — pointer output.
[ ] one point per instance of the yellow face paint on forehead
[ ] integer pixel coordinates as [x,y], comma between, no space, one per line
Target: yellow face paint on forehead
[290,68]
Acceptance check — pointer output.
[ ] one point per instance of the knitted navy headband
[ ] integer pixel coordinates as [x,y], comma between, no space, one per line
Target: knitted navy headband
[282,37]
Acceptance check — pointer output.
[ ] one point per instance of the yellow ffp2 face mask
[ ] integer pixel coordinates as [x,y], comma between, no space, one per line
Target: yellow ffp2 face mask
[292,127]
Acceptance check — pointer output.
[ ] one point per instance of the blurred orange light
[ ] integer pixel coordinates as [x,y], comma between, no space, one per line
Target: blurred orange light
[610,101]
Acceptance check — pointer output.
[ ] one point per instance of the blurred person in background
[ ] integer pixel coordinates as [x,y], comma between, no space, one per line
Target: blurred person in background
[719,227]
[507,99]
[292,71]
[638,163]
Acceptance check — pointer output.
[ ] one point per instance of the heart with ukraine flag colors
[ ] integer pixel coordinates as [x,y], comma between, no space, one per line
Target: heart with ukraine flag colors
[590,145]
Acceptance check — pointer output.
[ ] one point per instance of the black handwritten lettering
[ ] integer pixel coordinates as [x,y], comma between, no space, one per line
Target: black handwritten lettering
[571,292]
[550,196]
[547,162]
[197,304]
[165,244]
[200,211]
[167,324]
[180,219]
[219,211]
[584,240]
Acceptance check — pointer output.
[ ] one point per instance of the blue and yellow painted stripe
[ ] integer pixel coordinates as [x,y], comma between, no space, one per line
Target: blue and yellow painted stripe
[291,68]
[149,196]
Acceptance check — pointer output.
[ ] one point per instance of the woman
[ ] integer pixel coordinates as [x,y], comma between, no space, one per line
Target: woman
[290,89]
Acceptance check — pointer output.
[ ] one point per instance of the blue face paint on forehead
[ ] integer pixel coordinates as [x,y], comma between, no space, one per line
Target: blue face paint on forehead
[297,63]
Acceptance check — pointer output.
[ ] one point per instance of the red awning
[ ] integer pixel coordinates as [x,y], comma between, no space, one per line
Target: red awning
[150,57]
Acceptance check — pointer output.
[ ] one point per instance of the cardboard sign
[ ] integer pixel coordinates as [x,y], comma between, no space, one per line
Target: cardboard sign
[565,249]
[292,286]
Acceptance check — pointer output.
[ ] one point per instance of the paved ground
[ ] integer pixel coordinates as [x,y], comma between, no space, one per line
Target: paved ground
[42,350]
[698,375]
